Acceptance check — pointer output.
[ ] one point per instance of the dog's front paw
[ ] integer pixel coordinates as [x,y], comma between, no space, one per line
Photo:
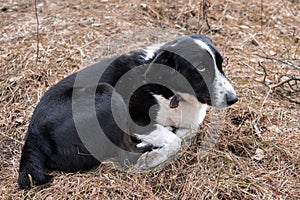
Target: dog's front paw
[185,134]
[150,160]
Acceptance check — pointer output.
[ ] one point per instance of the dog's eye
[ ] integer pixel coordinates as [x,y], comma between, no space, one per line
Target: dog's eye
[200,68]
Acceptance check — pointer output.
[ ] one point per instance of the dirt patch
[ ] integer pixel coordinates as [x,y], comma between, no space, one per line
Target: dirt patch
[257,154]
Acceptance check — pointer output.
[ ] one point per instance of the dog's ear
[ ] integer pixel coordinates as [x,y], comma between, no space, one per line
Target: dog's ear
[165,55]
[185,48]
[174,103]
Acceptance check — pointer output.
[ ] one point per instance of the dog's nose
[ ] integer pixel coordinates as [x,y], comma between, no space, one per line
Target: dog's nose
[231,98]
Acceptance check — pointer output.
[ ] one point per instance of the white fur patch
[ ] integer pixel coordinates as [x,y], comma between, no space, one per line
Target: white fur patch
[222,88]
[168,145]
[189,114]
[150,51]
[161,136]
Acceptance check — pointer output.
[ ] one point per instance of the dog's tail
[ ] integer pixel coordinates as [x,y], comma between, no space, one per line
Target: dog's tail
[32,165]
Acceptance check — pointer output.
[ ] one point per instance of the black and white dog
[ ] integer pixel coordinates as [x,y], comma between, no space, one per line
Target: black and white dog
[145,104]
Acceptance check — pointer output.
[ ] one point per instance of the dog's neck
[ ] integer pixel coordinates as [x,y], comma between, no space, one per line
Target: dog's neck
[189,113]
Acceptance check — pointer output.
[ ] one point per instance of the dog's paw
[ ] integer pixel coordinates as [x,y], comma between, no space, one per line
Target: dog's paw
[150,160]
[27,180]
[185,134]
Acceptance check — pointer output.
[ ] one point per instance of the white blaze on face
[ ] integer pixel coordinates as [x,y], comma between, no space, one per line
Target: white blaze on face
[221,87]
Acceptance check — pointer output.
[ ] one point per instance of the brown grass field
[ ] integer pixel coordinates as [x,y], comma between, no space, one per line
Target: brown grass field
[258,153]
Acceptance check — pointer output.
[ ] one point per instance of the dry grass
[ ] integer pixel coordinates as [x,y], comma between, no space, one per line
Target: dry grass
[257,155]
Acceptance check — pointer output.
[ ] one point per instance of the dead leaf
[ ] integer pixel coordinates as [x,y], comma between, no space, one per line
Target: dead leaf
[259,154]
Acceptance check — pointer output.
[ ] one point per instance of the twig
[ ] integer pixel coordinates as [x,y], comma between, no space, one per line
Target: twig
[261,15]
[37,31]
[286,81]
[265,99]
[291,100]
[272,87]
[204,13]
[278,60]
[265,74]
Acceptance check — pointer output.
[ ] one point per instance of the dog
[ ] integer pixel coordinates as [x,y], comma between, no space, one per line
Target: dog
[145,102]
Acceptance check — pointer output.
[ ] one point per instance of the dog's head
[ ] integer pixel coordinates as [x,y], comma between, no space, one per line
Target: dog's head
[197,59]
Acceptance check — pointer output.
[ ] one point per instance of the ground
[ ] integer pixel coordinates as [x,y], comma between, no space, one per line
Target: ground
[257,153]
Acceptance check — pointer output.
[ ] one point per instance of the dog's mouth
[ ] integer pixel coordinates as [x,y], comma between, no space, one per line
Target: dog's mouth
[225,100]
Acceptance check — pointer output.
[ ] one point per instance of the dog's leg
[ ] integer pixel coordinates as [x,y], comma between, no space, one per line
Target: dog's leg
[32,167]
[167,143]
